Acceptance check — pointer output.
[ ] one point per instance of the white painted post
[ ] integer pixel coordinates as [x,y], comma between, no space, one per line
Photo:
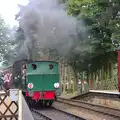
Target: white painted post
[20,105]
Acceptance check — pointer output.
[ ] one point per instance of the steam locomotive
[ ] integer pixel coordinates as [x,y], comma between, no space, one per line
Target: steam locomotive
[39,80]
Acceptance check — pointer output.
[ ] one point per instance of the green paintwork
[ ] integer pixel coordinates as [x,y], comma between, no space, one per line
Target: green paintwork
[42,77]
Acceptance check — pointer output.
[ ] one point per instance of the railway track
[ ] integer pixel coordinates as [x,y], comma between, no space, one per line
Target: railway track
[88,109]
[53,114]
[39,116]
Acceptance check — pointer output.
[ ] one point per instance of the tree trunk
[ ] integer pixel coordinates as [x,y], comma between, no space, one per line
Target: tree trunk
[68,77]
[63,74]
[64,79]
[75,82]
[100,74]
[111,71]
[87,77]
[83,82]
[102,71]
[108,71]
[92,80]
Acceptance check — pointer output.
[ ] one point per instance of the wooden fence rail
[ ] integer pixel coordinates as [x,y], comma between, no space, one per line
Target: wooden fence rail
[8,108]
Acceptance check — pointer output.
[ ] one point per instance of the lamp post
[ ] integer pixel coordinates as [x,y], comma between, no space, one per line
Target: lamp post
[119,69]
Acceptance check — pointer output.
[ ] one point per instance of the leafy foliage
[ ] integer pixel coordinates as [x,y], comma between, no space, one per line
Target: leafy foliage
[6,41]
[101,19]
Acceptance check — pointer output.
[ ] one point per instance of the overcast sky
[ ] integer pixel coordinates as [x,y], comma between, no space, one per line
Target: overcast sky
[9,8]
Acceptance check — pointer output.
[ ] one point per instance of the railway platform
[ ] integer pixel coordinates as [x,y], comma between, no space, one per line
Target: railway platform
[106,91]
[26,113]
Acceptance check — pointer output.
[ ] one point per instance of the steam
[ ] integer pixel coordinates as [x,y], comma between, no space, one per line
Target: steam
[46,25]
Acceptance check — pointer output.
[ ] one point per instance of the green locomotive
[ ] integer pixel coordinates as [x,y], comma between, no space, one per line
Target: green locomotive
[39,80]
[42,81]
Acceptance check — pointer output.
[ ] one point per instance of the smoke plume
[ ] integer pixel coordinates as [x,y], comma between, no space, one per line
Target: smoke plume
[46,25]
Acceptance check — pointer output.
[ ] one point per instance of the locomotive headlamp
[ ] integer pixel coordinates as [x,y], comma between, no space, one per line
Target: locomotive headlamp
[56,85]
[30,85]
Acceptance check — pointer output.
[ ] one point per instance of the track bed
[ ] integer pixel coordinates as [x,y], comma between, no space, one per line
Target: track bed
[87,110]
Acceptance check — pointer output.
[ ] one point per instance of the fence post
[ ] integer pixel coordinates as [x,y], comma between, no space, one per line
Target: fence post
[20,105]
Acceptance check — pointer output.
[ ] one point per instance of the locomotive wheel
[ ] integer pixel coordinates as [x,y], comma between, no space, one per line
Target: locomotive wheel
[55,98]
[41,103]
[45,104]
[30,103]
[50,103]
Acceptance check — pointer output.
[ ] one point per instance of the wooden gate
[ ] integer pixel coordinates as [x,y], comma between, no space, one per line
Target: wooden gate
[8,108]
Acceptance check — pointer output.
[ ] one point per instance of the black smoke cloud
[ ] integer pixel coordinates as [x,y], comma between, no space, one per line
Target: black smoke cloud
[46,25]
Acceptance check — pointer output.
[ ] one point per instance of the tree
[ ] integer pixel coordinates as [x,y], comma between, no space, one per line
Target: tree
[101,19]
[6,43]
